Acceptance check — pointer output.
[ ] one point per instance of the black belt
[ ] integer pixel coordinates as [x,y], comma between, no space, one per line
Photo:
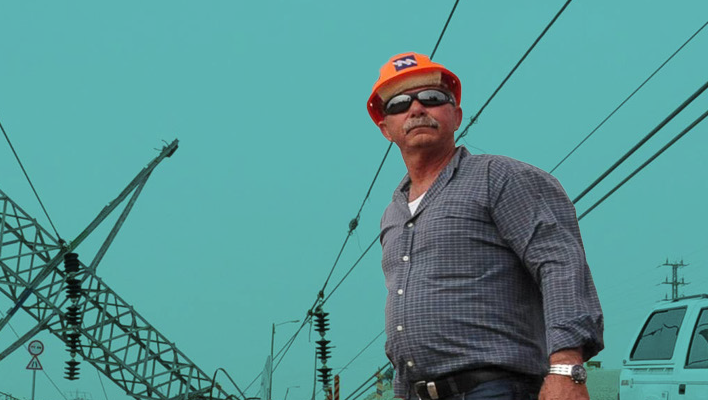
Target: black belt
[458,383]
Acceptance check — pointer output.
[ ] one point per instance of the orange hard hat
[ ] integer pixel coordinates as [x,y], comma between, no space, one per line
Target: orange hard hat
[403,66]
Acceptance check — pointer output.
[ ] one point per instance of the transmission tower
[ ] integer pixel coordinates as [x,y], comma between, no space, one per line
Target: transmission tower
[675,283]
[111,335]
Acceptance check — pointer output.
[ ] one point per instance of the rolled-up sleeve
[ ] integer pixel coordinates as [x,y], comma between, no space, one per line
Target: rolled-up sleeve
[537,219]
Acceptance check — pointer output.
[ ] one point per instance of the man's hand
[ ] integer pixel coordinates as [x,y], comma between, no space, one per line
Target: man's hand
[557,387]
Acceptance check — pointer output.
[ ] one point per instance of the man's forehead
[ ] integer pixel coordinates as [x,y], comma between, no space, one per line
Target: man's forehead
[423,79]
[440,87]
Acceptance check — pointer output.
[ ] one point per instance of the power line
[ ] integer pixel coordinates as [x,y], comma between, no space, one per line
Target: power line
[358,354]
[307,319]
[285,346]
[355,221]
[376,239]
[367,381]
[538,39]
[363,391]
[362,351]
[2,315]
[628,97]
[444,29]
[353,224]
[652,158]
[644,140]
[101,381]
[17,157]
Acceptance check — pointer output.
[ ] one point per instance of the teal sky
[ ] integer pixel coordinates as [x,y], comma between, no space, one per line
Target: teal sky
[240,227]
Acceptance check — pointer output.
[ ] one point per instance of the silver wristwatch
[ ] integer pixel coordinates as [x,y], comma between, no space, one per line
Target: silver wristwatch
[576,372]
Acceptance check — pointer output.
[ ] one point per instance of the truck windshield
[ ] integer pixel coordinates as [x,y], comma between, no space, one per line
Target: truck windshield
[657,340]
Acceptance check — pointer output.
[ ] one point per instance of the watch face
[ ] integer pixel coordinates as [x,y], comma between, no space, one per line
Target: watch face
[579,374]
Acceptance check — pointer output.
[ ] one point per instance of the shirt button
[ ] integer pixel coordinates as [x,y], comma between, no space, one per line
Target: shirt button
[406,258]
[410,363]
[410,225]
[400,291]
[399,328]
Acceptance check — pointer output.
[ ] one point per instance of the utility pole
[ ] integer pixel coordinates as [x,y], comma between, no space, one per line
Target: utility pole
[675,283]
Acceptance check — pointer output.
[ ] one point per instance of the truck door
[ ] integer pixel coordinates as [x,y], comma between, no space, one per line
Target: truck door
[650,372]
[693,382]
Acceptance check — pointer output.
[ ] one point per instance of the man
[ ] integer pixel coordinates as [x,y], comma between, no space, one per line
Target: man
[484,265]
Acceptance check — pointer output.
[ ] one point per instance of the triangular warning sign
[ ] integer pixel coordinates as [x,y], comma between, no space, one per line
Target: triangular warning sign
[34,364]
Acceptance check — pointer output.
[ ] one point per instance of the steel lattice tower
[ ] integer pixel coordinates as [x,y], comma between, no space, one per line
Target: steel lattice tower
[114,338]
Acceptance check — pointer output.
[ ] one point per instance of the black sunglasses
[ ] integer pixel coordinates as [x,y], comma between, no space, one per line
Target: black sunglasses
[426,97]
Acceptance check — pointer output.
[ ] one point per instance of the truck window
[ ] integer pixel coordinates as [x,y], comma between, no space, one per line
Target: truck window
[698,352]
[657,340]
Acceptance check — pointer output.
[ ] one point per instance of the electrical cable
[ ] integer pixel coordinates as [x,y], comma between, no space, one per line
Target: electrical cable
[285,347]
[289,344]
[444,29]
[356,356]
[644,140]
[306,320]
[647,162]
[355,221]
[213,384]
[2,315]
[352,226]
[54,384]
[362,351]
[628,97]
[367,381]
[363,391]
[17,157]
[538,39]
[101,381]
[376,239]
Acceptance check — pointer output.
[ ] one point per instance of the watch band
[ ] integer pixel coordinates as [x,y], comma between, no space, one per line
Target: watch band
[576,372]
[561,369]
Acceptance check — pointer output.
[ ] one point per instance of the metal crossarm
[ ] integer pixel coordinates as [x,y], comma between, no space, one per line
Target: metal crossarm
[115,339]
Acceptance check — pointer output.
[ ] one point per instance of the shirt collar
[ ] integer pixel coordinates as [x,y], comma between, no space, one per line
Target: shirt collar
[401,192]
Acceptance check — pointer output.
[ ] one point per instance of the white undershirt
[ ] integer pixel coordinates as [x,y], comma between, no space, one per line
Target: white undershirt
[413,205]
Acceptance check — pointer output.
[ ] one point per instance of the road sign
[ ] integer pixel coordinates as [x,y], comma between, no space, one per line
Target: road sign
[34,364]
[35,348]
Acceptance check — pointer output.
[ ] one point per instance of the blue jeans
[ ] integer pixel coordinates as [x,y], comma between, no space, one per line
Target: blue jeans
[521,388]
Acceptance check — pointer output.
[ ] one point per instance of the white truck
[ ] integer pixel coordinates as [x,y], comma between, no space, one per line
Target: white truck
[669,358]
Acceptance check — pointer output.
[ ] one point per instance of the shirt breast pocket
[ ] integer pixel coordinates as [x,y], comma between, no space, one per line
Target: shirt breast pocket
[459,215]
[453,226]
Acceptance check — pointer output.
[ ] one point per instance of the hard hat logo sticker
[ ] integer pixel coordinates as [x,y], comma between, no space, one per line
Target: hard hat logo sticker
[405,62]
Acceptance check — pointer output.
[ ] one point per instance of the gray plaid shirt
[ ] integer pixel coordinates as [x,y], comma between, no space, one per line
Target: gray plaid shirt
[490,270]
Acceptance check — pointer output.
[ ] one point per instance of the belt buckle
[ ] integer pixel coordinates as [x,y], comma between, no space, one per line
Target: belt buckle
[430,388]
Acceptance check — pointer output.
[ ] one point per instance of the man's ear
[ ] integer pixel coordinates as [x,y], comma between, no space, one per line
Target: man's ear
[458,117]
[384,130]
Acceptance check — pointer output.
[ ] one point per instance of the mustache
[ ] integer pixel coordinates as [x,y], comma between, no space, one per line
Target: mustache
[424,120]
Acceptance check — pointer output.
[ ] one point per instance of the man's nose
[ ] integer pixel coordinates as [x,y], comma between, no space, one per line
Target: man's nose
[417,108]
